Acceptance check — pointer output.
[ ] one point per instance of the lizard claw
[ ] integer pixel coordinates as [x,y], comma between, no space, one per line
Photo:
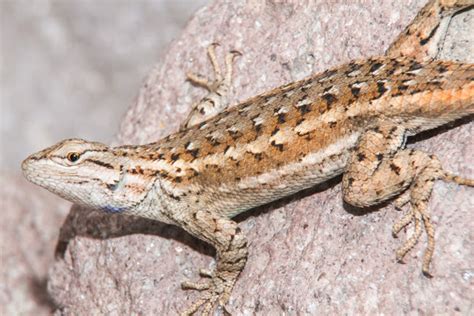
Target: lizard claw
[200,286]
[209,300]
[221,81]
[206,273]
[216,99]
[215,293]
[209,297]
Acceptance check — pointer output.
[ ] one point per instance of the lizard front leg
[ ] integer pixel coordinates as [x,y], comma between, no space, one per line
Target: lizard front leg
[379,169]
[232,252]
[216,100]
[422,37]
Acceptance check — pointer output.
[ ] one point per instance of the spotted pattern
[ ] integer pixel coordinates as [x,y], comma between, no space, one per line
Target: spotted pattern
[290,122]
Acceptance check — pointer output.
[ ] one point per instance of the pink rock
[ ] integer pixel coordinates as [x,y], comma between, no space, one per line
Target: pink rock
[308,254]
[31,218]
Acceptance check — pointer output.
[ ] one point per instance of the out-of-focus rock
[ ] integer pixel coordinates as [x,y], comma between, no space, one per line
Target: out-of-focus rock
[29,229]
[71,68]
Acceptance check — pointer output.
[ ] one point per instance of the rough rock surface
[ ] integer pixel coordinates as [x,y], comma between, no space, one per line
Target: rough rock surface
[309,254]
[28,233]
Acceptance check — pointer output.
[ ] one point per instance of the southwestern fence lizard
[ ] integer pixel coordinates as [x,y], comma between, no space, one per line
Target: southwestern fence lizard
[352,120]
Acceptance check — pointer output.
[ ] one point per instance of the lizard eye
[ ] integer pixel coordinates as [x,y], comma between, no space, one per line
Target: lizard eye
[73,156]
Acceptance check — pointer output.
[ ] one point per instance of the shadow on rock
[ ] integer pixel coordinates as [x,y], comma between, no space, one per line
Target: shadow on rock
[86,222]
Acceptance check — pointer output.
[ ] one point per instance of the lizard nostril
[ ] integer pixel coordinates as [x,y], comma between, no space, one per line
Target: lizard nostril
[25,168]
[24,164]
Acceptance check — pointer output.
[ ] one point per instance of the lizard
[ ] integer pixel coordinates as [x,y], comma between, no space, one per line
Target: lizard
[351,120]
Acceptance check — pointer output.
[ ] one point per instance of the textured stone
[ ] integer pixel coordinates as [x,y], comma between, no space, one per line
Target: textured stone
[29,228]
[309,254]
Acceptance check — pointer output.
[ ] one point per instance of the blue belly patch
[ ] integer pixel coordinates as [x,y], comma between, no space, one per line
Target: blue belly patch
[114,209]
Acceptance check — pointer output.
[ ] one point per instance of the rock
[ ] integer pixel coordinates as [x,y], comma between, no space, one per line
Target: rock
[29,228]
[308,254]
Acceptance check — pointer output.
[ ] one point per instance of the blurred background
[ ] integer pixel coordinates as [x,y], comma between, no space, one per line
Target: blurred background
[68,68]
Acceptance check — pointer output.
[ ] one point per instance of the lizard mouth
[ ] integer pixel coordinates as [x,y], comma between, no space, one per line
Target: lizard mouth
[26,168]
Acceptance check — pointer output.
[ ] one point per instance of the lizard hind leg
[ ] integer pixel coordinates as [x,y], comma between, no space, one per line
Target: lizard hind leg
[420,193]
[232,251]
[423,37]
[419,196]
[216,100]
[380,169]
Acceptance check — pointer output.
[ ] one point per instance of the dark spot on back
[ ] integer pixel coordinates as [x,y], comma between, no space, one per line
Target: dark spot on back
[281,118]
[355,91]
[442,68]
[175,156]
[304,109]
[234,134]
[330,98]
[111,186]
[415,66]
[375,66]
[327,89]
[381,88]
[279,146]
[328,74]
[353,67]
[194,152]
[436,83]
[175,197]
[395,168]
[425,40]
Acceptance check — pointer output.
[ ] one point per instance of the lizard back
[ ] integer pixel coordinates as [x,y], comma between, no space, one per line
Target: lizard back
[300,134]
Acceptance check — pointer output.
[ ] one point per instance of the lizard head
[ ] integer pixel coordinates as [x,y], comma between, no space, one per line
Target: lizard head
[83,172]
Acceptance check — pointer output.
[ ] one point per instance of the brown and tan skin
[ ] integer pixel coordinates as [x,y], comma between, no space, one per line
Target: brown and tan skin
[351,120]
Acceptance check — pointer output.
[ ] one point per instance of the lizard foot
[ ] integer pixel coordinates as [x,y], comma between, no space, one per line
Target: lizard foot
[418,213]
[455,5]
[216,100]
[221,82]
[189,285]
[215,292]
